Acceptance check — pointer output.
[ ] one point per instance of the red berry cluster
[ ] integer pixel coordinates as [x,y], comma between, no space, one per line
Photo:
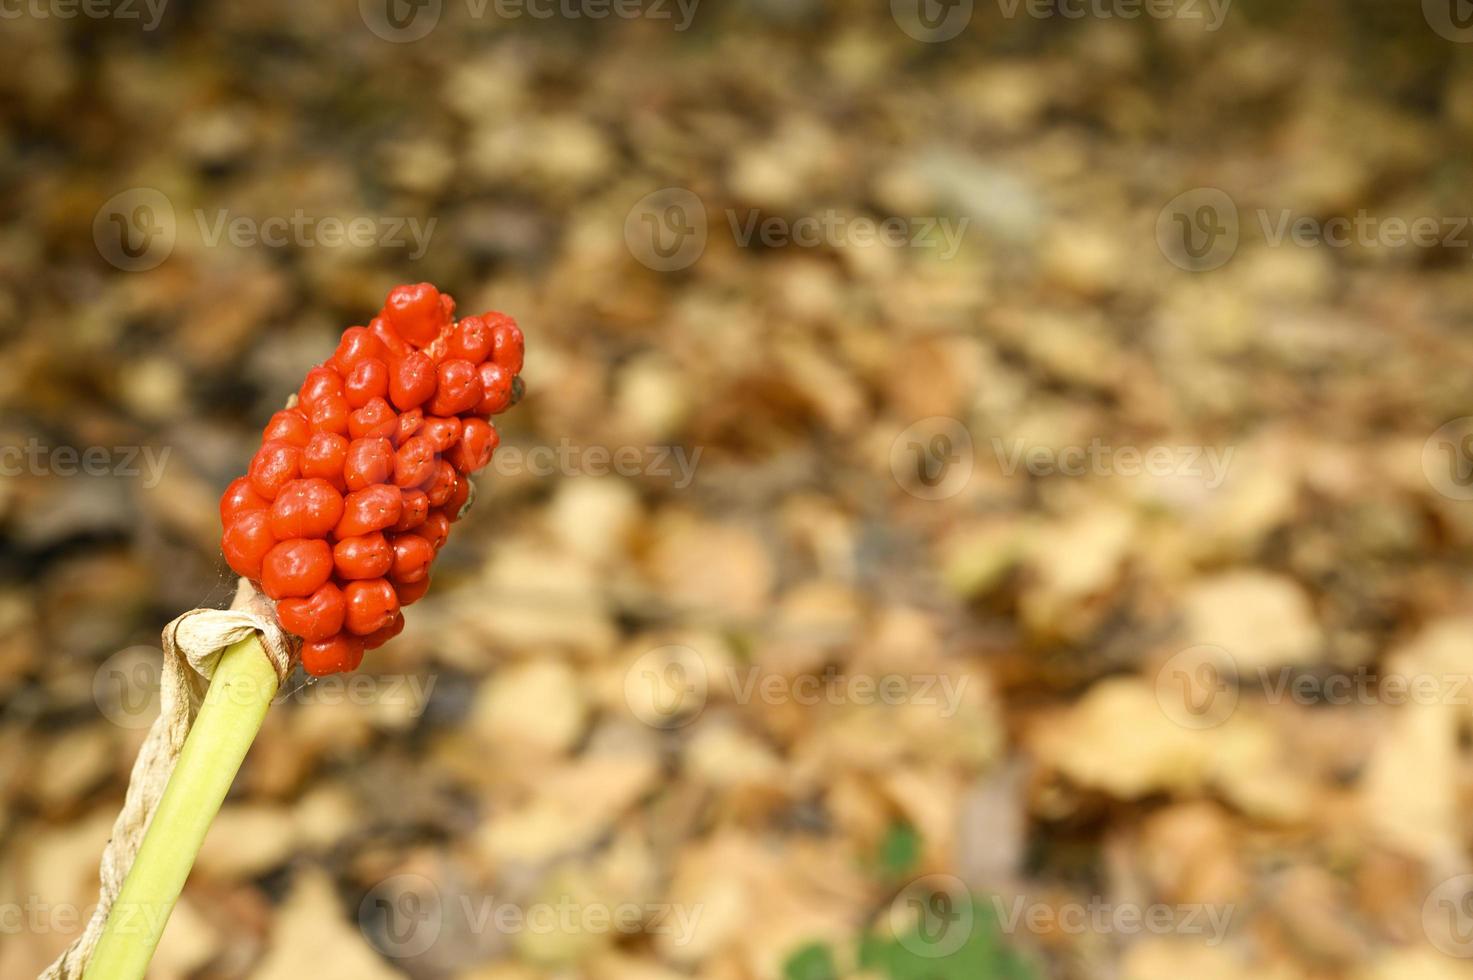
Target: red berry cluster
[354,488]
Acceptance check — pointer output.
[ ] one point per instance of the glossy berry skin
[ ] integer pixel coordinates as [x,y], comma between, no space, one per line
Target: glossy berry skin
[395,347]
[371,605]
[457,389]
[442,432]
[455,505]
[416,313]
[435,529]
[275,465]
[325,457]
[508,345]
[368,461]
[472,340]
[442,484]
[412,381]
[496,390]
[352,494]
[321,382]
[368,380]
[247,539]
[410,423]
[329,413]
[411,592]
[366,556]
[296,568]
[412,558]
[478,440]
[384,634]
[336,654]
[375,420]
[370,509]
[414,508]
[289,426]
[316,617]
[358,345]
[414,463]
[305,509]
[239,498]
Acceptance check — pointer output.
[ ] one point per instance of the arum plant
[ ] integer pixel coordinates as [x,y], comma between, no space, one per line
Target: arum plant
[333,529]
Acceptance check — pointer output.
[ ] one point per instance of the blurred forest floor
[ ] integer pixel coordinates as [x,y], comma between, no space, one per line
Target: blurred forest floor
[659,691]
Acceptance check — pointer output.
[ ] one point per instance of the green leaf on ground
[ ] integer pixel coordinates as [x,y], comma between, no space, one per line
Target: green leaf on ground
[935,951]
[812,962]
[900,850]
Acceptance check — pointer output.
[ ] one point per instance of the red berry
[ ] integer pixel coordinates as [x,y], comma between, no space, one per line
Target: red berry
[317,617]
[411,592]
[374,420]
[371,605]
[289,425]
[478,440]
[416,507]
[383,635]
[358,345]
[369,461]
[442,433]
[394,346]
[330,656]
[370,509]
[329,413]
[410,423]
[240,498]
[439,350]
[306,509]
[246,541]
[442,484]
[412,381]
[458,388]
[379,444]
[321,382]
[416,313]
[296,568]
[471,340]
[274,465]
[412,558]
[324,457]
[508,345]
[414,463]
[368,380]
[496,385]
[366,556]
[435,529]
[454,507]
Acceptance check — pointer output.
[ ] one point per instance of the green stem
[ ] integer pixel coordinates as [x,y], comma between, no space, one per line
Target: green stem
[231,715]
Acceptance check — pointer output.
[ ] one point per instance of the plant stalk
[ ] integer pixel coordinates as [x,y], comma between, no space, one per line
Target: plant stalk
[234,708]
